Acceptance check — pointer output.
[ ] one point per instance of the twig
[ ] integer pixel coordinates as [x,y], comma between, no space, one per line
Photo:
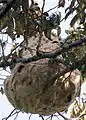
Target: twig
[43,6]
[62,116]
[8,115]
[30,116]
[51,116]
[52,8]
[41,117]
[11,114]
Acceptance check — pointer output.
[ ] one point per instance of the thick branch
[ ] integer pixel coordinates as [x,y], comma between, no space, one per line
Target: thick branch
[63,49]
[53,54]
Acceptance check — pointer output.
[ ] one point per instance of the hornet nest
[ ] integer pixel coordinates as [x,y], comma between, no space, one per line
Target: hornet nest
[31,87]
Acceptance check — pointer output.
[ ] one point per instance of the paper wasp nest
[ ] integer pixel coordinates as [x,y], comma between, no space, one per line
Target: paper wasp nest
[31,87]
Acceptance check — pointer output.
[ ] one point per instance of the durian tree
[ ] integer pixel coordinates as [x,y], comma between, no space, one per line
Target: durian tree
[46,71]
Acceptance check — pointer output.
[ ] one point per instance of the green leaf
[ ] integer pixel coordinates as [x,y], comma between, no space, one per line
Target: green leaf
[80,67]
[70,12]
[73,21]
[67,9]
[57,21]
[67,60]
[61,3]
[71,5]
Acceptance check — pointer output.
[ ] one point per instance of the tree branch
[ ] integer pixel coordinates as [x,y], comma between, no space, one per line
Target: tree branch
[69,68]
[52,55]
[63,49]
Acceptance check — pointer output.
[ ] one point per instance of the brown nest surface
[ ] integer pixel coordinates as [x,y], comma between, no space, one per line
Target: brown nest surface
[31,87]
